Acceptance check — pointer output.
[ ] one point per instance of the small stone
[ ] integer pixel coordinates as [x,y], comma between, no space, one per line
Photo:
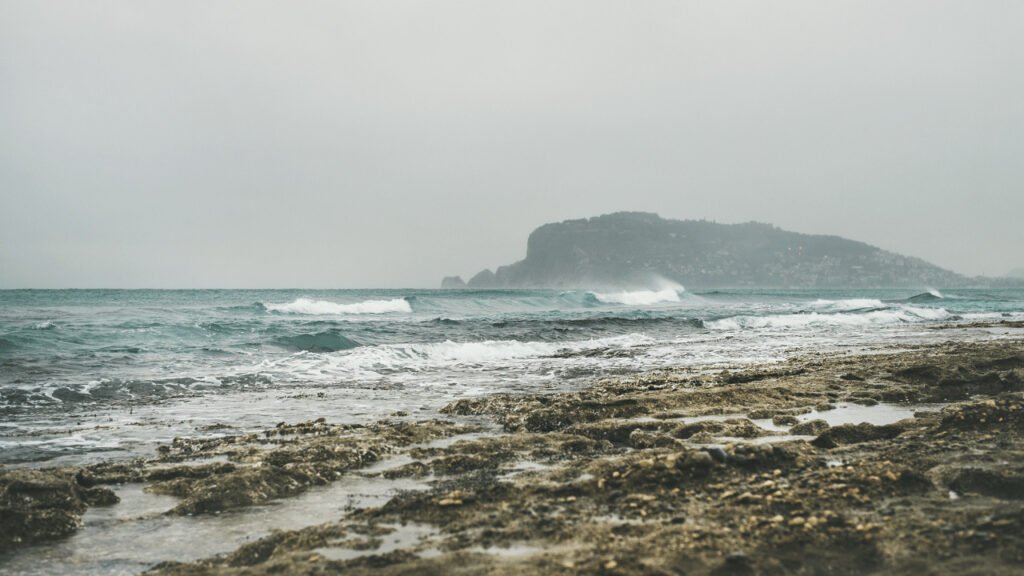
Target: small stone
[810,428]
[610,565]
[718,454]
[785,420]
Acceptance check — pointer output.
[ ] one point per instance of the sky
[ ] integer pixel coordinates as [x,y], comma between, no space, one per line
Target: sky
[387,144]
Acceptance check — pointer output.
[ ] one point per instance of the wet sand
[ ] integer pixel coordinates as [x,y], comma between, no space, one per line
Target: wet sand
[907,461]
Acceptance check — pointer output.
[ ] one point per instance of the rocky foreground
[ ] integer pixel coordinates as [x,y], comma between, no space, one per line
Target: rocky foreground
[662,473]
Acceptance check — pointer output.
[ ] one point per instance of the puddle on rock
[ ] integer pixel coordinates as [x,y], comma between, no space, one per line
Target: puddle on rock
[879,414]
[129,537]
[411,536]
[398,460]
[845,413]
[520,550]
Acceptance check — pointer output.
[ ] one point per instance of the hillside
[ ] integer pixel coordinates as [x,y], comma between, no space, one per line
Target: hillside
[631,248]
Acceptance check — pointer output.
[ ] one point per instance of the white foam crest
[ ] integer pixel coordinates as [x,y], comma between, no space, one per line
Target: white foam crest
[324,307]
[935,293]
[372,361]
[638,297]
[927,313]
[791,321]
[993,316]
[848,304]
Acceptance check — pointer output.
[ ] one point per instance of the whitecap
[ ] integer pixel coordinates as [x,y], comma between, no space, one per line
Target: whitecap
[790,321]
[324,307]
[848,304]
[373,361]
[638,297]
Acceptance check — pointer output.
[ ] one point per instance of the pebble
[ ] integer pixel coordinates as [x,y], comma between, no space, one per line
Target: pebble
[718,454]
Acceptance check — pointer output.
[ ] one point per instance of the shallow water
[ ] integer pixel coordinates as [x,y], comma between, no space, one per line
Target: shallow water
[404,536]
[135,534]
[87,375]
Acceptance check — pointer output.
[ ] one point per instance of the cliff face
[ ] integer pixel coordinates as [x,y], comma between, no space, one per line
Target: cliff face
[629,248]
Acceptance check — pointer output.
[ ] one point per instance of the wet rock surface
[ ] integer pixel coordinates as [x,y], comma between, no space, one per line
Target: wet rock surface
[662,473]
[38,505]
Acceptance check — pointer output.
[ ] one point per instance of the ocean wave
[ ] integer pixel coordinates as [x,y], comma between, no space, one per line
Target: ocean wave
[904,314]
[115,349]
[328,341]
[410,358]
[445,322]
[849,304]
[47,325]
[638,297]
[602,321]
[116,390]
[927,313]
[324,307]
[586,299]
[930,296]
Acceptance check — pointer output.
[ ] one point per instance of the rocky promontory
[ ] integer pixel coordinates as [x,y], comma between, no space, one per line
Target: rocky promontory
[631,248]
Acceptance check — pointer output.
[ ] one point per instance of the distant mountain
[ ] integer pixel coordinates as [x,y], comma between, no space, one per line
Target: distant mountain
[633,248]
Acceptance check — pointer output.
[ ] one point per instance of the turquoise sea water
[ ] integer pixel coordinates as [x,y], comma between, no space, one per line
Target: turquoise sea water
[100,373]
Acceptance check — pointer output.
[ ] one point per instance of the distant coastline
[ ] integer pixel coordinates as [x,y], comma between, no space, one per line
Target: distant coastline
[637,249]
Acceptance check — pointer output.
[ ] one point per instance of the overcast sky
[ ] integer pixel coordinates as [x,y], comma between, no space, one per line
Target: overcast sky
[387,144]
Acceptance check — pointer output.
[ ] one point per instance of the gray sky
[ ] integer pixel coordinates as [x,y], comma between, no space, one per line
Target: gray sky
[386,144]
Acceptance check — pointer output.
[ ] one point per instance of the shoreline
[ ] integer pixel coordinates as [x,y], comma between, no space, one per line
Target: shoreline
[747,472]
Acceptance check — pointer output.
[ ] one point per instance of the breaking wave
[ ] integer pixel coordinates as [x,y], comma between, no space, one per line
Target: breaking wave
[638,297]
[929,296]
[849,304]
[324,307]
[904,314]
[392,358]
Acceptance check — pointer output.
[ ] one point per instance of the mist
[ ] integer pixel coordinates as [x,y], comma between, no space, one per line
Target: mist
[370,144]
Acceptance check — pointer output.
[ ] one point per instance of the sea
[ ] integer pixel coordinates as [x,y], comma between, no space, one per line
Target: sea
[90,375]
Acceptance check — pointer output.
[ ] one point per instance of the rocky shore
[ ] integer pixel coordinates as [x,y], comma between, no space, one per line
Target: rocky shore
[907,461]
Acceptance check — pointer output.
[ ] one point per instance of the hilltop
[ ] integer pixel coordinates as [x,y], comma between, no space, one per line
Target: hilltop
[631,248]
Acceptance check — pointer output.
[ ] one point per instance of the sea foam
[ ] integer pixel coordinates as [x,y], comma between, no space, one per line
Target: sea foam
[638,297]
[848,304]
[904,314]
[324,307]
[373,361]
